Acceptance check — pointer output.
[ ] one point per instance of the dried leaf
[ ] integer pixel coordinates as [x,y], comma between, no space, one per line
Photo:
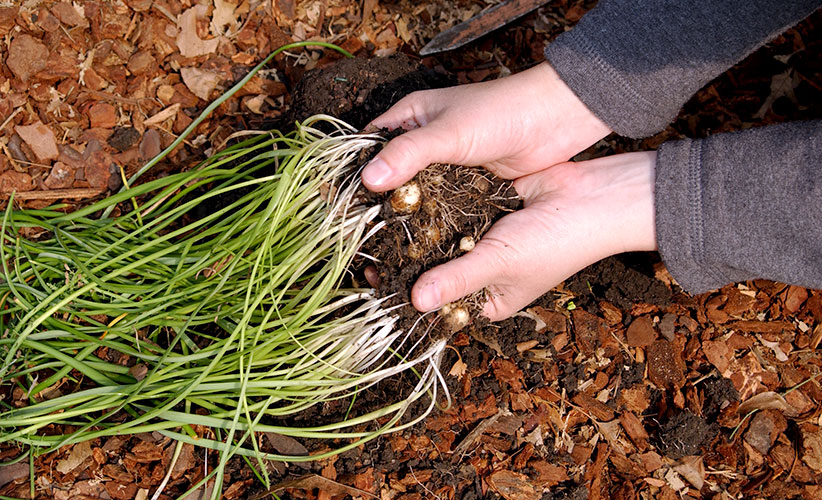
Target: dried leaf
[200,82]
[223,18]
[285,445]
[763,401]
[78,454]
[782,85]
[189,43]
[458,370]
[692,469]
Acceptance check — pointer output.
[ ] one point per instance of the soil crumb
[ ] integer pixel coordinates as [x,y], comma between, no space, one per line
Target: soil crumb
[359,90]
[685,434]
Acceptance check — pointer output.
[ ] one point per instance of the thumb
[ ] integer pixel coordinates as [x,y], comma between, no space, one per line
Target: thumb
[405,155]
[458,278]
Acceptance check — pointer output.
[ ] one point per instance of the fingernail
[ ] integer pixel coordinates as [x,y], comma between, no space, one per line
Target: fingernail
[376,172]
[429,297]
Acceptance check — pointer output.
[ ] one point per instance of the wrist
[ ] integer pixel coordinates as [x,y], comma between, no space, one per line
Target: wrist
[581,128]
[633,208]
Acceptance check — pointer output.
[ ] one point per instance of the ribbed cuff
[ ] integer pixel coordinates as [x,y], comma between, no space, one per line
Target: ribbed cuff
[680,220]
[604,89]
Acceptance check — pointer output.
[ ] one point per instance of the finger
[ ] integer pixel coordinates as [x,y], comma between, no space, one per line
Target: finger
[459,277]
[407,154]
[504,302]
[410,112]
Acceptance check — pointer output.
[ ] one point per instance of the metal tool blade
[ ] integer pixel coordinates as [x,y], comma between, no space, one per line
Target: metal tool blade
[479,25]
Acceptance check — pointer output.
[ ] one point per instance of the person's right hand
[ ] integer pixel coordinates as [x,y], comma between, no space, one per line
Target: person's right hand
[513,126]
[574,214]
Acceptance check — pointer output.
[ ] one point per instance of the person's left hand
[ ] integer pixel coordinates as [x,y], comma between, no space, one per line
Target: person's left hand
[575,214]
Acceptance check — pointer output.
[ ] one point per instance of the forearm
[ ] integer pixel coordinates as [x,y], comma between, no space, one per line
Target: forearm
[634,64]
[740,206]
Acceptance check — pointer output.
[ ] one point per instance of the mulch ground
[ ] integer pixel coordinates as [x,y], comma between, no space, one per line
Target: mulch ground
[615,385]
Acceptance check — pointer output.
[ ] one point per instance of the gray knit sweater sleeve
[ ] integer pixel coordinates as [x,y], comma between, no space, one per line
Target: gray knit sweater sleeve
[635,63]
[743,205]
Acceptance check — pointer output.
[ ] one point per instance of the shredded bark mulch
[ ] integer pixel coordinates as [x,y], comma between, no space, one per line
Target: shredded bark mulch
[614,385]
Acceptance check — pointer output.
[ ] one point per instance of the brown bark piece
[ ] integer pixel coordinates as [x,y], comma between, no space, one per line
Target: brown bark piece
[61,176]
[555,322]
[7,15]
[508,373]
[513,486]
[635,398]
[595,408]
[121,491]
[141,62]
[145,452]
[761,326]
[587,328]
[795,297]
[9,473]
[664,365]
[719,354]
[612,314]
[67,14]
[635,430]
[102,115]
[641,332]
[548,474]
[117,473]
[812,448]
[651,461]
[11,181]
[27,56]
[40,139]
[764,429]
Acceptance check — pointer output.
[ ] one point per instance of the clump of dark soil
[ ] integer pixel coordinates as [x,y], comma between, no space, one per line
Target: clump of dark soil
[685,434]
[359,90]
[719,393]
[622,280]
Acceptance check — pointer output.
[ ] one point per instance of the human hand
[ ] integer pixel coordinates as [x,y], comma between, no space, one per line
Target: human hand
[574,214]
[513,126]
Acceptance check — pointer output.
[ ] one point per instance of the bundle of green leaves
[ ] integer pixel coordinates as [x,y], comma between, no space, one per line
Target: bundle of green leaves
[159,320]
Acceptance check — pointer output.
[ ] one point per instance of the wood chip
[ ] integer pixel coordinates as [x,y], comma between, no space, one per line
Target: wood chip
[665,368]
[634,429]
[57,194]
[26,56]
[40,139]
[641,332]
[595,408]
[163,115]
[9,473]
[513,486]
